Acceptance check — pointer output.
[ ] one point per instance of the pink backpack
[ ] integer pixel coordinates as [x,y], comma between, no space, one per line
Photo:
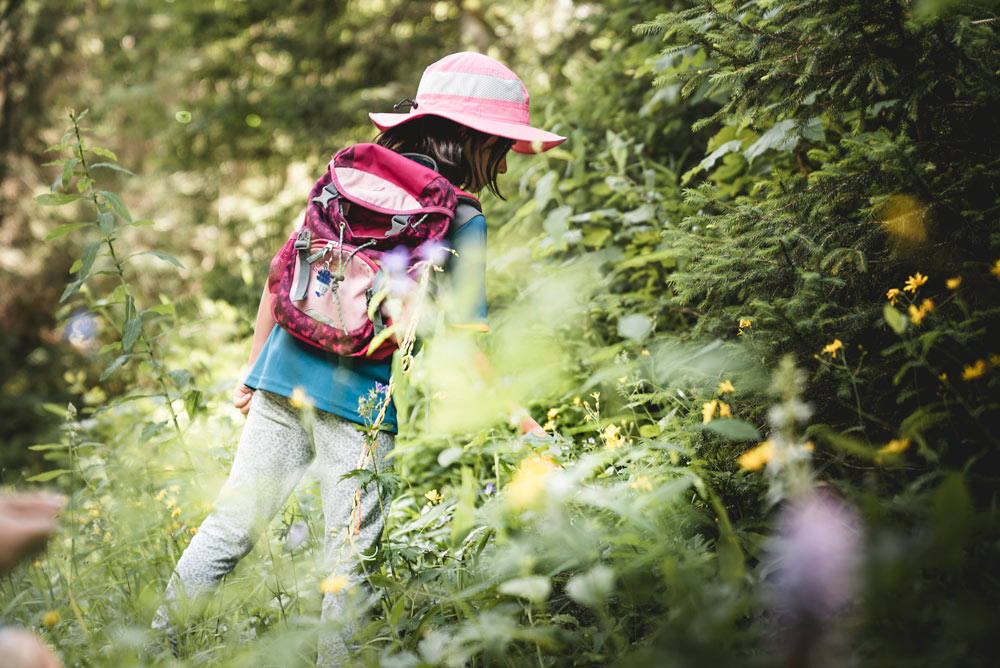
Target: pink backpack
[371,219]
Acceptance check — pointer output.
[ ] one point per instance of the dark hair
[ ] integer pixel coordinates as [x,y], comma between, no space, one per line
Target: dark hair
[446,142]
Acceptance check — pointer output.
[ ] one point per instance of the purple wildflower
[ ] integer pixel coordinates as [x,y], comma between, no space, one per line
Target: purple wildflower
[396,262]
[489,489]
[380,388]
[814,562]
[297,534]
[434,252]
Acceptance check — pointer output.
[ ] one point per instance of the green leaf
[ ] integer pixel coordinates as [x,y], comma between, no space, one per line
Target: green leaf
[48,446]
[193,403]
[593,587]
[47,476]
[106,221]
[181,378]
[733,428]
[119,362]
[448,457]
[111,165]
[88,257]
[67,173]
[397,611]
[162,309]
[151,430]
[893,318]
[131,333]
[116,204]
[70,289]
[535,588]
[57,199]
[103,152]
[635,326]
[64,229]
[779,137]
[543,189]
[163,256]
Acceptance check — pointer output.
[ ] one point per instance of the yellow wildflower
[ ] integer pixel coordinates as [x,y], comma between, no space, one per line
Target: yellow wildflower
[50,618]
[927,305]
[724,410]
[755,458]
[895,446]
[596,396]
[433,496]
[174,489]
[528,482]
[107,535]
[576,401]
[171,502]
[645,352]
[832,348]
[726,386]
[893,295]
[943,376]
[193,530]
[708,410]
[621,381]
[612,437]
[745,323]
[953,283]
[552,413]
[334,584]
[974,370]
[175,526]
[809,446]
[641,483]
[549,425]
[914,282]
[175,512]
[37,563]
[299,398]
[995,269]
[916,314]
[162,494]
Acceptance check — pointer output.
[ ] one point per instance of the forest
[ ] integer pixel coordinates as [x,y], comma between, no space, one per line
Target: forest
[753,300]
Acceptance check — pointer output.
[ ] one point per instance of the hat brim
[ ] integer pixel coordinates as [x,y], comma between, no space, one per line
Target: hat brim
[527,139]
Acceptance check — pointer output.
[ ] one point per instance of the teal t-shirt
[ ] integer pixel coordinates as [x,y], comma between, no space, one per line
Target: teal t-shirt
[334,383]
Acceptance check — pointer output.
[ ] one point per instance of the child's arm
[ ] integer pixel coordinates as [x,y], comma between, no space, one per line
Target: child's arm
[262,329]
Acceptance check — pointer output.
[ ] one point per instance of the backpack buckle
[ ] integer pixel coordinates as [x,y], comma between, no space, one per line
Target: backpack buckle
[302,240]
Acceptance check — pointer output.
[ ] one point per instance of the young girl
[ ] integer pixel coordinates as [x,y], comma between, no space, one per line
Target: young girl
[469,111]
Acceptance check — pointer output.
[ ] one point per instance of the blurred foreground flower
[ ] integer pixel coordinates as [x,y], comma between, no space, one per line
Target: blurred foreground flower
[755,458]
[297,534]
[50,618]
[334,584]
[814,562]
[526,486]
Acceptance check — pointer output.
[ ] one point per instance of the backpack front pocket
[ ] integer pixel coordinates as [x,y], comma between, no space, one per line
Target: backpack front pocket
[330,285]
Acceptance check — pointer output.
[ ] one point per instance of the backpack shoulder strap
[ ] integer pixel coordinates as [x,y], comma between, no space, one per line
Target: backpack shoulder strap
[468,208]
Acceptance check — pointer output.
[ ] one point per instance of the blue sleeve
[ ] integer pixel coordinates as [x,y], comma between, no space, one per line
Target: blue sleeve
[465,297]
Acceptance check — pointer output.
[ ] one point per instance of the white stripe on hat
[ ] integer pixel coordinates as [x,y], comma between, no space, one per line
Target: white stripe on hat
[463,84]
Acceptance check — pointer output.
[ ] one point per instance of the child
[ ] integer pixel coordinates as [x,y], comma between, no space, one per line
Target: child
[469,111]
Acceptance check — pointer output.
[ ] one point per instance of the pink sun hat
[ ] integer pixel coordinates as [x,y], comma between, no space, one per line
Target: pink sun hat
[479,92]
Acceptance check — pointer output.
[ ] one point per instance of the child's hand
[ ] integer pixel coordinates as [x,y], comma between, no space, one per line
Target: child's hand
[26,520]
[529,426]
[241,398]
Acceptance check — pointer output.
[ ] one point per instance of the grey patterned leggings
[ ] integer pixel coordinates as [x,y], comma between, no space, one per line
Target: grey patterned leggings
[273,453]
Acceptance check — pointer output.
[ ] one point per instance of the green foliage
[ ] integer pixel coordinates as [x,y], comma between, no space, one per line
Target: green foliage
[804,186]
